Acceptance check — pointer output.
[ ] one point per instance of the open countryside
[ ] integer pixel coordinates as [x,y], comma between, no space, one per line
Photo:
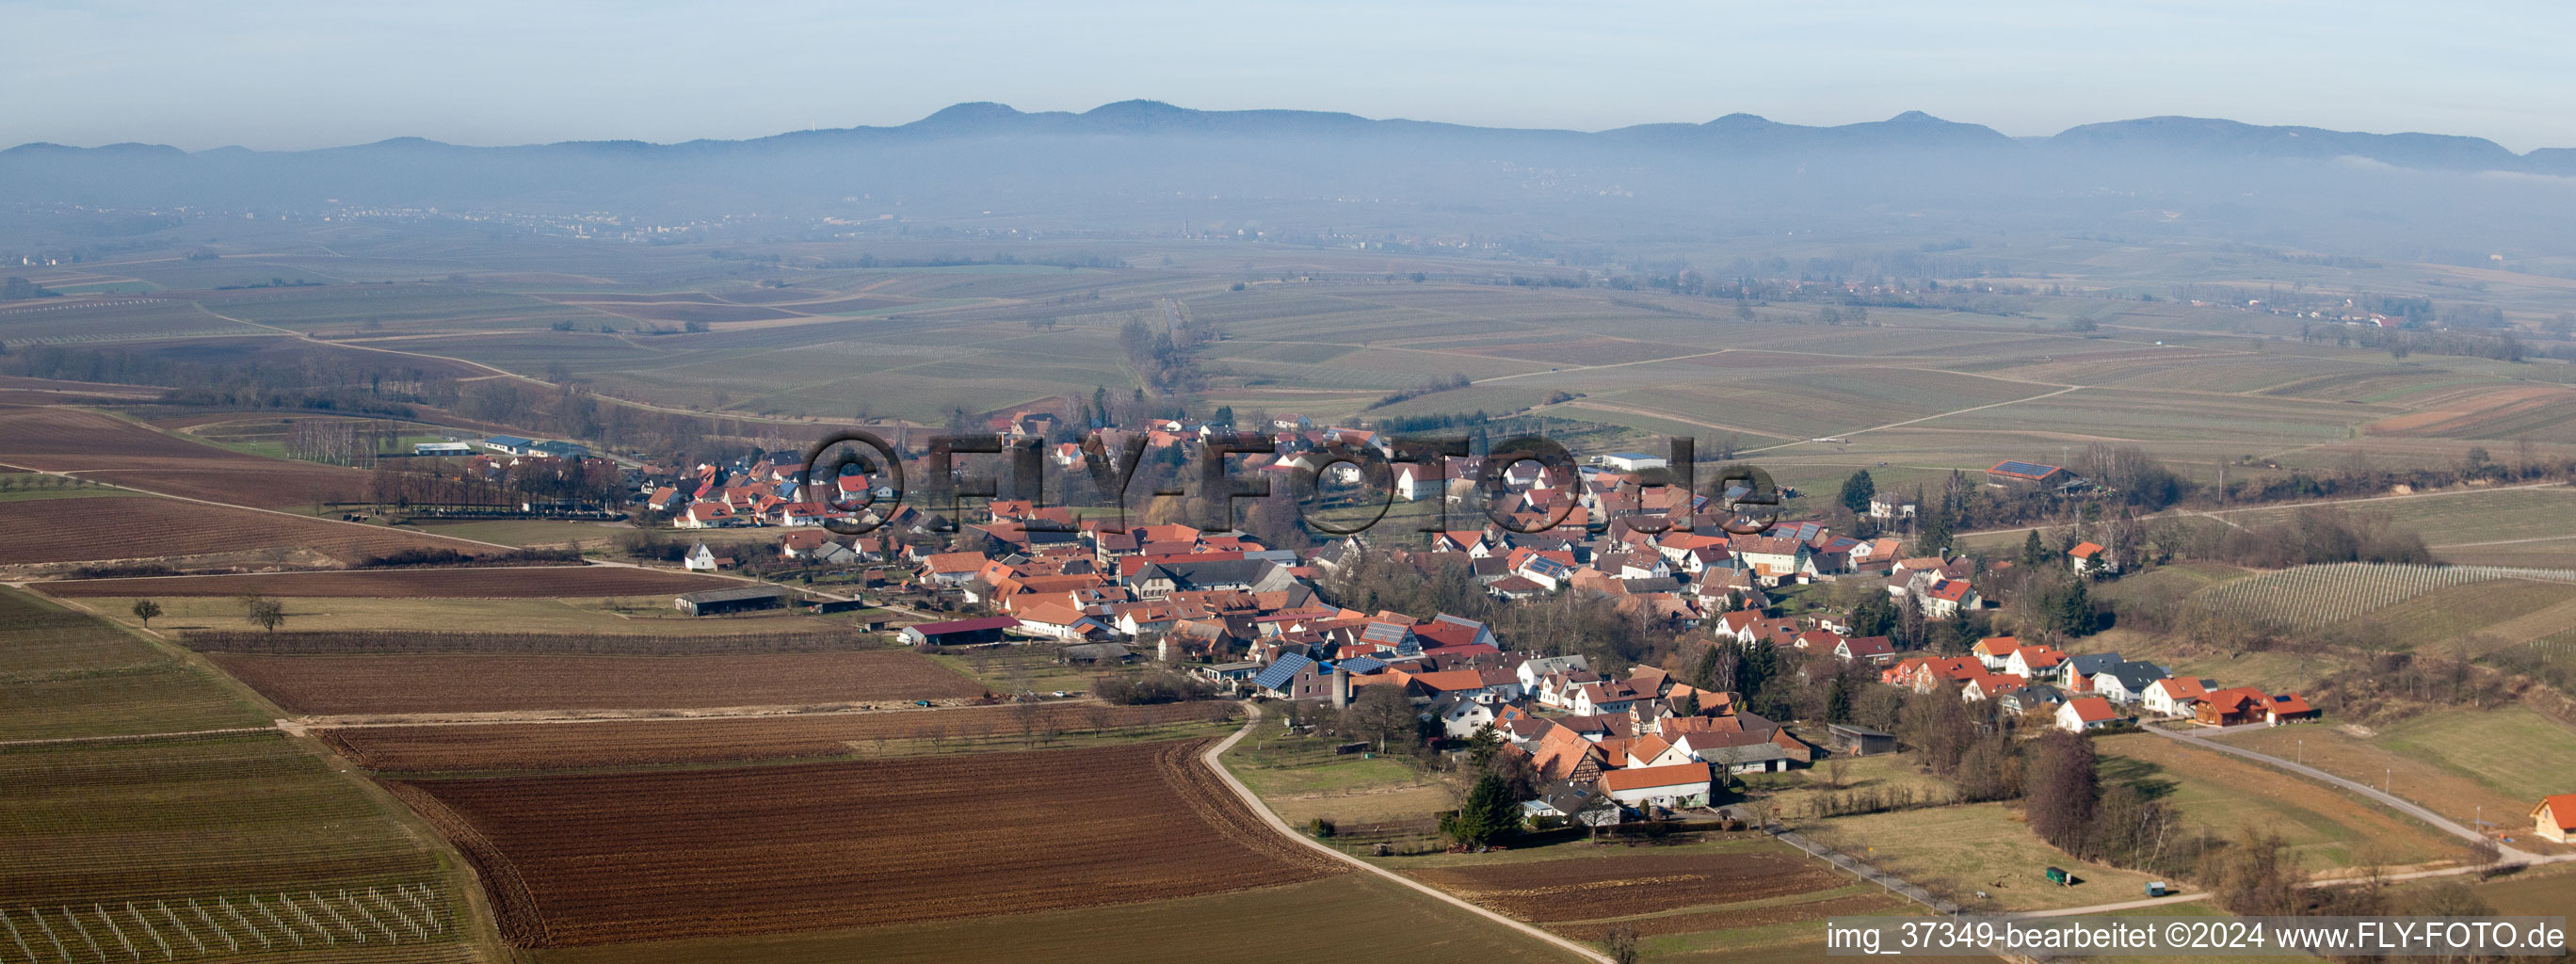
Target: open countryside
[1143,533]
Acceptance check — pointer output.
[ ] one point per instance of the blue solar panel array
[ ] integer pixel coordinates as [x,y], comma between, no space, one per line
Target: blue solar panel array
[1280,671]
[1362,665]
[2026,468]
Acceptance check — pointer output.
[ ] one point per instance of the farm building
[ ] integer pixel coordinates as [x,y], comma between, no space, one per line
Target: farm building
[1846,740]
[1570,803]
[2031,475]
[1678,785]
[441,449]
[2555,818]
[559,450]
[745,599]
[511,444]
[1633,461]
[963,632]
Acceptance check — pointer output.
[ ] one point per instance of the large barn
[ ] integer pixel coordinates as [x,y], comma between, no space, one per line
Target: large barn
[746,599]
[2028,475]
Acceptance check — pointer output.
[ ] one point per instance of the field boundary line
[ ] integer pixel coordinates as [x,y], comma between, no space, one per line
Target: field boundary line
[134,737]
[1210,757]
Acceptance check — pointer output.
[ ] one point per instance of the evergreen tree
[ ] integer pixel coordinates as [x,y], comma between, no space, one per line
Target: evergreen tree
[1837,702]
[2075,610]
[1857,491]
[1759,663]
[2033,552]
[1703,674]
[1490,814]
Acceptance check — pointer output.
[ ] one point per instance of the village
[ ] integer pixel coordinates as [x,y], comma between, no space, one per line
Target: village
[1605,743]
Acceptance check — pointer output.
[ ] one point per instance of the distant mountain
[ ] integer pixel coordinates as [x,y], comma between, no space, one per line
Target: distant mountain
[1146,165]
[2202,135]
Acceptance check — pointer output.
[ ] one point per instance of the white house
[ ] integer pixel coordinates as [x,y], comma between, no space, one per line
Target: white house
[2085,713]
[699,559]
[2127,682]
[1057,620]
[1462,715]
[1415,481]
[2174,695]
[1680,785]
[1532,671]
[1633,462]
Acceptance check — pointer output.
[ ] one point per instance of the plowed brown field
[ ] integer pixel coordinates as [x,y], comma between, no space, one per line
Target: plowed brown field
[633,857]
[112,450]
[1588,888]
[483,683]
[616,743]
[529,582]
[126,527]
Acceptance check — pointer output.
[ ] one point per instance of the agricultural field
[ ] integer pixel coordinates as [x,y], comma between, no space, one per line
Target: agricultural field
[204,846]
[2542,893]
[1641,881]
[92,528]
[109,449]
[479,683]
[576,860]
[2476,618]
[608,615]
[639,744]
[1956,851]
[69,674]
[1793,794]
[529,533]
[506,582]
[111,320]
[1371,919]
[2520,753]
[816,638]
[2461,526]
[2360,754]
[1300,778]
[2325,827]
[2306,597]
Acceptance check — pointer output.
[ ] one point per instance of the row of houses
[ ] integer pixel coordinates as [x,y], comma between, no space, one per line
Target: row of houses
[2089,691]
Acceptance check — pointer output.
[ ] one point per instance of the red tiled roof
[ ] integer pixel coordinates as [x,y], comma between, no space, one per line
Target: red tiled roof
[2091,709]
[2562,810]
[1642,778]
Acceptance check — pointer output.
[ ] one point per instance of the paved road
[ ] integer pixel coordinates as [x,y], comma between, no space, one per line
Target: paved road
[1281,826]
[2509,854]
[2108,908]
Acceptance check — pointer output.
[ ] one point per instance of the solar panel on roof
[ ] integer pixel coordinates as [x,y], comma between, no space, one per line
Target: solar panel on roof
[1362,665]
[2025,468]
[1281,671]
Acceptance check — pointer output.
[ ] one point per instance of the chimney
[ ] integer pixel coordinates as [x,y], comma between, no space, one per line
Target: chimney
[1341,688]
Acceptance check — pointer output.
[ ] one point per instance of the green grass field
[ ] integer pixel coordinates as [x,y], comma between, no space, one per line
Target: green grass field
[2325,827]
[1301,778]
[2520,753]
[1956,851]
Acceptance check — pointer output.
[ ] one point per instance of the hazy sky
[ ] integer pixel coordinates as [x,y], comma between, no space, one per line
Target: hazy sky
[293,75]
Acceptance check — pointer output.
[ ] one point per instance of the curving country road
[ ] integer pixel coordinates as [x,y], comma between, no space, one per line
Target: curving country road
[2508,854]
[1281,826]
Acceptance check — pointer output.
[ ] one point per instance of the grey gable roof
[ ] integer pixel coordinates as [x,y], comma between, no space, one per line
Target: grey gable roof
[2136,676]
